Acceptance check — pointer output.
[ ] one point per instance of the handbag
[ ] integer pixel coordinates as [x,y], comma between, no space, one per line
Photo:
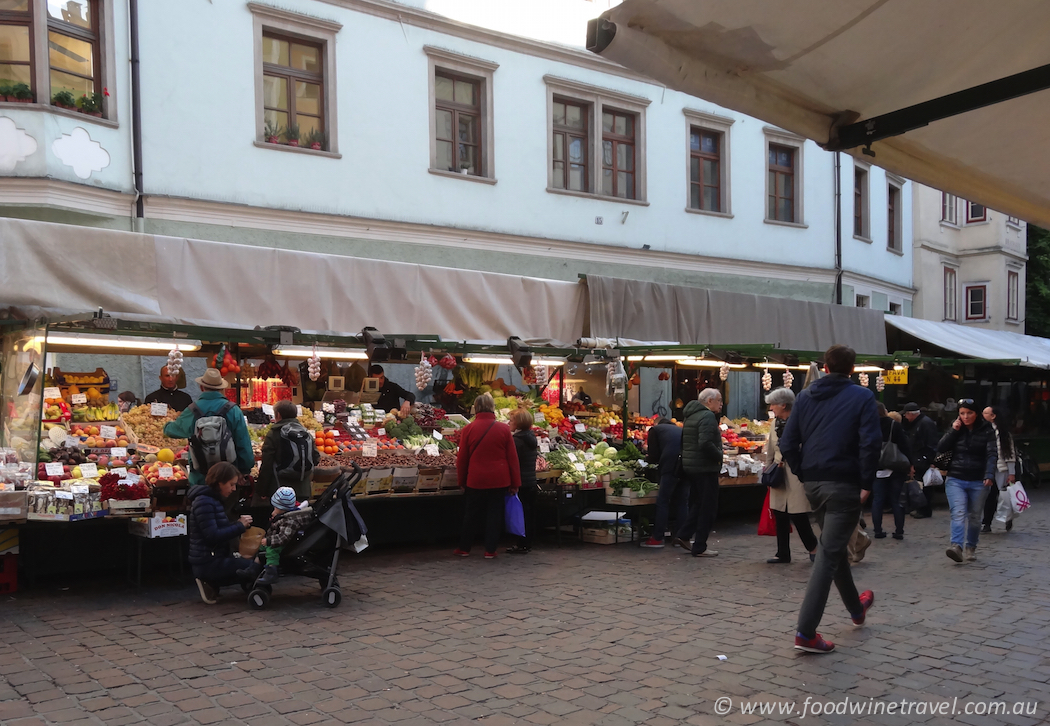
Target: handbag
[892,458]
[943,460]
[773,475]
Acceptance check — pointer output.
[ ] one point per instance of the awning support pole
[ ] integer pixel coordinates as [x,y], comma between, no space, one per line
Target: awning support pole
[895,123]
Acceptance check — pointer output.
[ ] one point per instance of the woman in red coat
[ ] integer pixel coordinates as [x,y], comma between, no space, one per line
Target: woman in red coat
[487,467]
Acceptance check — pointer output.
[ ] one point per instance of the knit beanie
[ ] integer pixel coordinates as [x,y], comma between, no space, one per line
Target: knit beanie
[284,499]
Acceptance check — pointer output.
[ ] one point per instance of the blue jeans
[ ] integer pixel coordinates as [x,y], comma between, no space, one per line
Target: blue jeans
[966,500]
[672,491]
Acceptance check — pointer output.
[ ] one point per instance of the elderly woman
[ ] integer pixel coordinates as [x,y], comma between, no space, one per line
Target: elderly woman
[788,503]
[527,447]
[970,475]
[488,470]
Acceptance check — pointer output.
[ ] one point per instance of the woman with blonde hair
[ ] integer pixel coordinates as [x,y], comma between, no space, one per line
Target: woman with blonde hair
[528,449]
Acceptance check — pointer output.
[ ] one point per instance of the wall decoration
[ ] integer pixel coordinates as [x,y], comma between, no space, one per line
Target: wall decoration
[15,145]
[79,151]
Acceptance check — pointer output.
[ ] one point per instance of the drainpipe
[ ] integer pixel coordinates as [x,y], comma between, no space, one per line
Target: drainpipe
[838,227]
[136,115]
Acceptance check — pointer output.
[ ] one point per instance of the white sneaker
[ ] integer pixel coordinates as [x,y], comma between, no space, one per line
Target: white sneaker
[208,593]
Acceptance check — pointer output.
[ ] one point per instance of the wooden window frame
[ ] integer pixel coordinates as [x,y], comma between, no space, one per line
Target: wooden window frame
[1013,295]
[894,216]
[950,202]
[569,133]
[779,137]
[94,38]
[701,156]
[611,137]
[481,72]
[861,201]
[984,301]
[1014,222]
[779,171]
[24,18]
[474,111]
[970,219]
[697,121]
[293,75]
[951,294]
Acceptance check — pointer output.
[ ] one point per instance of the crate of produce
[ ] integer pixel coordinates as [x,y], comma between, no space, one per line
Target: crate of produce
[158,526]
[628,501]
[13,506]
[450,478]
[429,479]
[404,481]
[379,481]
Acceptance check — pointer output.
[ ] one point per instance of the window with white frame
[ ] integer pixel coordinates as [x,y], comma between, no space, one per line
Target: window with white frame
[894,215]
[976,213]
[976,302]
[596,141]
[863,301]
[708,162]
[461,115]
[1013,284]
[949,208]
[1014,222]
[784,177]
[951,288]
[860,201]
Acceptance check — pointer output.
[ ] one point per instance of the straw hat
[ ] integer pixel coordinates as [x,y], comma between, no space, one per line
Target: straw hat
[212,380]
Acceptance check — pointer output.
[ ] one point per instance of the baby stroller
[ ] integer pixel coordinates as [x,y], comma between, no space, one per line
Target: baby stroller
[315,554]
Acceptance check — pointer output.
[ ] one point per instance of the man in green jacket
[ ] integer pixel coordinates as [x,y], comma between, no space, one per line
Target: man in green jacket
[701,464]
[210,402]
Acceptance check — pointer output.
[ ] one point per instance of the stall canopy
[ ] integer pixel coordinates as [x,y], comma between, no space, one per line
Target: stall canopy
[838,73]
[697,316]
[218,284]
[977,342]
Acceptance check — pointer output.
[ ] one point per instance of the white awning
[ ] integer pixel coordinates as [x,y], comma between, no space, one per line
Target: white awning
[975,342]
[813,66]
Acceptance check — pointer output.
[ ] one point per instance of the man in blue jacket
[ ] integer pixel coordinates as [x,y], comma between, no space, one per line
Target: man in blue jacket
[833,442]
[665,447]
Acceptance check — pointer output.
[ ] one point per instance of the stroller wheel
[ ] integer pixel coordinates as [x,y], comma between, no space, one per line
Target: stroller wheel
[332,596]
[259,598]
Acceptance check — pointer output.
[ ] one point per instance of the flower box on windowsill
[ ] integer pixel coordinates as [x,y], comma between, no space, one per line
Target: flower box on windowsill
[297,149]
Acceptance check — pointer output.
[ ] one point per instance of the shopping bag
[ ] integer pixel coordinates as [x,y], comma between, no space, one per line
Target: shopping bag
[912,496]
[858,543]
[250,542]
[1004,511]
[932,478]
[767,524]
[514,515]
[1018,498]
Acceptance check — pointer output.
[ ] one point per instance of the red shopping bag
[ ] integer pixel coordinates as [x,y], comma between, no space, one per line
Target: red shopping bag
[767,525]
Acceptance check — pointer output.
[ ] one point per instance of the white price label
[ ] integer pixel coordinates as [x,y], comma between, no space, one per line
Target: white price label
[77,398]
[52,392]
[370,450]
[431,449]
[54,468]
[380,432]
[89,470]
[581,428]
[165,472]
[298,411]
[438,436]
[107,432]
[580,467]
[119,471]
[63,495]
[267,409]
[572,456]
[588,456]
[333,432]
[158,409]
[132,479]
[724,427]
[118,452]
[319,416]
[540,418]
[732,472]
[72,443]
[545,448]
[79,488]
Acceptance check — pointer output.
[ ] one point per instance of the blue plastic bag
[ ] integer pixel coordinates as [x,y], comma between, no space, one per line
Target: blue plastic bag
[514,515]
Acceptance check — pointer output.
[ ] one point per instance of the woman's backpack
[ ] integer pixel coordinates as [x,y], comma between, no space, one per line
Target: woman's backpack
[295,453]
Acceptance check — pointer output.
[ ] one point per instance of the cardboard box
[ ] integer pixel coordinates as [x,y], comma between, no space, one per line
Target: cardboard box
[404,481]
[13,506]
[9,541]
[450,478]
[33,517]
[429,479]
[158,526]
[379,481]
[602,536]
[628,501]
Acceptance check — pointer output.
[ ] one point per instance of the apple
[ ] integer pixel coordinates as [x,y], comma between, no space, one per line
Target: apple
[103,460]
[133,471]
[92,457]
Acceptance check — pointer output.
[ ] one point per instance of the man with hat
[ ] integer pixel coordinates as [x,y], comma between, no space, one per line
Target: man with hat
[923,438]
[212,402]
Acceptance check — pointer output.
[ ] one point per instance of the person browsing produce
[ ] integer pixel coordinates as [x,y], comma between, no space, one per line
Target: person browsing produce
[169,393]
[390,394]
[289,454]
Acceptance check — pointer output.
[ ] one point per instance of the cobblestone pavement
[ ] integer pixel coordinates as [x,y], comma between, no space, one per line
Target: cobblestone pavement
[586,634]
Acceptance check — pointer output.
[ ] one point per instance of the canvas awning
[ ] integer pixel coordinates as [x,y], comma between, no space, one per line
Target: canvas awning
[697,316]
[976,342]
[814,67]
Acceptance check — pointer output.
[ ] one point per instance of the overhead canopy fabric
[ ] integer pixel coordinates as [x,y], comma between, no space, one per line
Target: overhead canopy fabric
[219,284]
[695,316]
[809,66]
[975,342]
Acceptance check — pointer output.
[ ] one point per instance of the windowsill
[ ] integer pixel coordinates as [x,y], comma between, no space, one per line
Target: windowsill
[464,177]
[298,149]
[48,108]
[777,222]
[895,251]
[1012,321]
[1013,226]
[709,213]
[950,225]
[976,222]
[598,197]
[859,238]
[977,320]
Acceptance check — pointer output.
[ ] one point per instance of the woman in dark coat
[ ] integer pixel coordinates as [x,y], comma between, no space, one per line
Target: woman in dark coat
[889,484]
[528,449]
[972,471]
[211,532]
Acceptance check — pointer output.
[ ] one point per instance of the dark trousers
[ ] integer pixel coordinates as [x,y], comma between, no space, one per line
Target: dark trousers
[837,506]
[221,572]
[482,506]
[805,533]
[890,487]
[671,496]
[703,508]
[528,495]
[990,505]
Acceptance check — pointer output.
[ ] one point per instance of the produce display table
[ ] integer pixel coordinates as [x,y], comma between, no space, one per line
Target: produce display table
[176,549]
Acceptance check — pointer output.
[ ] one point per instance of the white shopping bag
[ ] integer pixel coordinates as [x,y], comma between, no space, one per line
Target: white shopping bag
[1018,498]
[932,478]
[1004,511]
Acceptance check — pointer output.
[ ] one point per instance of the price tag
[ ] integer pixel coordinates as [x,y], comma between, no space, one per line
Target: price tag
[724,427]
[59,494]
[437,435]
[107,432]
[580,467]
[54,468]
[72,443]
[580,428]
[89,470]
[431,449]
[732,471]
[572,456]
[370,450]
[319,416]
[545,448]
[158,409]
[539,418]
[132,479]
[333,432]
[120,471]
[118,452]
[52,392]
[77,398]
[328,407]
[588,456]
[79,488]
[298,411]
[380,432]
[267,409]
[165,472]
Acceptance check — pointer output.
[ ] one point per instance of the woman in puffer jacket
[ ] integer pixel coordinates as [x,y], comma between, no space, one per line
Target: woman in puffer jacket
[972,471]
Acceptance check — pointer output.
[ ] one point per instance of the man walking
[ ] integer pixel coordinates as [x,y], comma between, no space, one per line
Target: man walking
[833,441]
[923,438]
[665,446]
[701,464]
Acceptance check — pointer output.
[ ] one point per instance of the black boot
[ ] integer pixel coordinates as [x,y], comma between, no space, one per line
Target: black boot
[269,575]
[249,573]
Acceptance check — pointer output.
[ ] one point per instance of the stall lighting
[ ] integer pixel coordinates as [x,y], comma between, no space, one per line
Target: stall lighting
[635,358]
[778,366]
[550,362]
[701,363]
[115,341]
[660,358]
[305,351]
[867,369]
[489,360]
[900,366]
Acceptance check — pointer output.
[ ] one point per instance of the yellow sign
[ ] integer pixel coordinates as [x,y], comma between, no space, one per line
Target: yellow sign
[896,378]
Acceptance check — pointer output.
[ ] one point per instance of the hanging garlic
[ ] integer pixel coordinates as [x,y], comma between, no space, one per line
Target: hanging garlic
[314,365]
[767,381]
[723,372]
[880,383]
[542,375]
[789,378]
[424,372]
[174,362]
[864,379]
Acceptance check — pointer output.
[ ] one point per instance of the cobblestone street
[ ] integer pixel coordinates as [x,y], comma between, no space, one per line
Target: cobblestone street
[585,634]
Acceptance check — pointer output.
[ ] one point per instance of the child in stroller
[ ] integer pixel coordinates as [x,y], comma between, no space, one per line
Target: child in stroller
[286,522]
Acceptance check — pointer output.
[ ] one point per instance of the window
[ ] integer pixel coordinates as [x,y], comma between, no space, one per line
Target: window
[863,301]
[72,42]
[949,208]
[16,43]
[1013,281]
[895,308]
[976,302]
[893,218]
[1014,222]
[294,82]
[596,141]
[781,188]
[976,213]
[950,292]
[461,138]
[860,202]
[705,176]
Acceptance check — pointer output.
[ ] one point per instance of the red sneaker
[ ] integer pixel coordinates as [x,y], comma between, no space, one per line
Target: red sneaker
[653,543]
[867,599]
[490,555]
[816,644]
[460,553]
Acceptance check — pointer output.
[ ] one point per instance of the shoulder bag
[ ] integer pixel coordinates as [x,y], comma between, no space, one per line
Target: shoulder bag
[892,458]
[773,475]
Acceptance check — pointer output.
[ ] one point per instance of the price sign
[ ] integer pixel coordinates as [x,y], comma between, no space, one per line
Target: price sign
[52,392]
[572,456]
[333,432]
[431,449]
[891,378]
[77,398]
[724,427]
[580,467]
[165,472]
[545,448]
[79,488]
[63,495]
[132,479]
[580,428]
[298,411]
[158,409]
[732,471]
[107,432]
[54,468]
[380,432]
[72,443]
[267,409]
[588,456]
[438,436]
[118,452]
[120,471]
[319,416]
[370,450]
[540,418]
[89,470]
